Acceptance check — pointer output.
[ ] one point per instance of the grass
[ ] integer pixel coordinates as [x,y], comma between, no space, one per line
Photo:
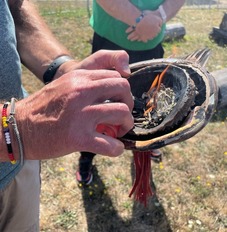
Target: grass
[191,181]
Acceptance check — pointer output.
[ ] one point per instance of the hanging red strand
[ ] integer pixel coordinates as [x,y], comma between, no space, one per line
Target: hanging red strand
[142,186]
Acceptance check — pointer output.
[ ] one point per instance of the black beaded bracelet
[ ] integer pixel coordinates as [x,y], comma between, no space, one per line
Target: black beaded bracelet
[53,67]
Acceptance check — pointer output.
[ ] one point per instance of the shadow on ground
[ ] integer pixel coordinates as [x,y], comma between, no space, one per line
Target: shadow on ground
[103,217]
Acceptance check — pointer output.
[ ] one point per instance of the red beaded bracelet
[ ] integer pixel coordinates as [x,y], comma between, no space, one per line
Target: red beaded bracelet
[7,134]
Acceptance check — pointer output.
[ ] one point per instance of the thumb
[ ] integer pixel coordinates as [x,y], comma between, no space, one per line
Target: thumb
[121,63]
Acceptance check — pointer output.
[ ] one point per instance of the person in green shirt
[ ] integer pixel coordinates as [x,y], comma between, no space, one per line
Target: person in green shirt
[136,26]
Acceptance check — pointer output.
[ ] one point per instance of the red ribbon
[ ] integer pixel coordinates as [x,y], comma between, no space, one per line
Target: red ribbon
[142,187]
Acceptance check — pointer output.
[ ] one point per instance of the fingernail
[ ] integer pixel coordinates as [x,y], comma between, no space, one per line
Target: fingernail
[126,69]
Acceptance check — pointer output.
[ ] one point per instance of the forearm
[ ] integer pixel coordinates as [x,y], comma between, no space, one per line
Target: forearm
[122,10]
[171,8]
[37,46]
[126,12]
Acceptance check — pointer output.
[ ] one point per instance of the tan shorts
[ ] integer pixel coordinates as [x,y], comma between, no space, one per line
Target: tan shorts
[19,202]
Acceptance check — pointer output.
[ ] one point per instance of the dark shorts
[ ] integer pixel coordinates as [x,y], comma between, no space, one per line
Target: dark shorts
[134,56]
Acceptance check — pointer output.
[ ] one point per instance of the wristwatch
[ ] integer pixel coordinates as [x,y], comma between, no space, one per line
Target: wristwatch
[162,13]
[53,67]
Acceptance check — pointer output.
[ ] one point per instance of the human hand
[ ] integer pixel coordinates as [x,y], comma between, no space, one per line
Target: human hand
[103,59]
[147,29]
[62,117]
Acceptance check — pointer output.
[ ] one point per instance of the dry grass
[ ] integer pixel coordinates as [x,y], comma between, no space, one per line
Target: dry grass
[191,183]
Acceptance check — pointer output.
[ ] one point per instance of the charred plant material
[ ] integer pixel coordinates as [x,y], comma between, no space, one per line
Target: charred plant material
[174,99]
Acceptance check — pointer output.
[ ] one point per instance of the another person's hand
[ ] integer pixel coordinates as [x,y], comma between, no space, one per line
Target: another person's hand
[62,117]
[147,29]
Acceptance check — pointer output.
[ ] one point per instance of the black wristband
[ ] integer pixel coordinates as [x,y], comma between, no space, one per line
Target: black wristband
[53,67]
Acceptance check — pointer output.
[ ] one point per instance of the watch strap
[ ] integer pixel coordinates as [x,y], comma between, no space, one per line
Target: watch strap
[162,13]
[53,67]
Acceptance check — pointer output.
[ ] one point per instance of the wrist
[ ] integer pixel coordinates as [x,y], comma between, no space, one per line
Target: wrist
[49,74]
[66,67]
[138,20]
[12,148]
[162,13]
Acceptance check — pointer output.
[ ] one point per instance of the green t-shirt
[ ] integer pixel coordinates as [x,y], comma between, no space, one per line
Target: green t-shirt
[114,30]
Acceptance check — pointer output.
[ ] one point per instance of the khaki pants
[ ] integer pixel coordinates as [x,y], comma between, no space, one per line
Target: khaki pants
[19,202]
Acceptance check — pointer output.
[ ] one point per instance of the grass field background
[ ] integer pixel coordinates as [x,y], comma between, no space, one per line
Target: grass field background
[190,182]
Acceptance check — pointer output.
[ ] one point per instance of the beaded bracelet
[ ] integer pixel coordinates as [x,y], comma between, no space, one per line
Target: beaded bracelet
[12,120]
[138,20]
[6,133]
